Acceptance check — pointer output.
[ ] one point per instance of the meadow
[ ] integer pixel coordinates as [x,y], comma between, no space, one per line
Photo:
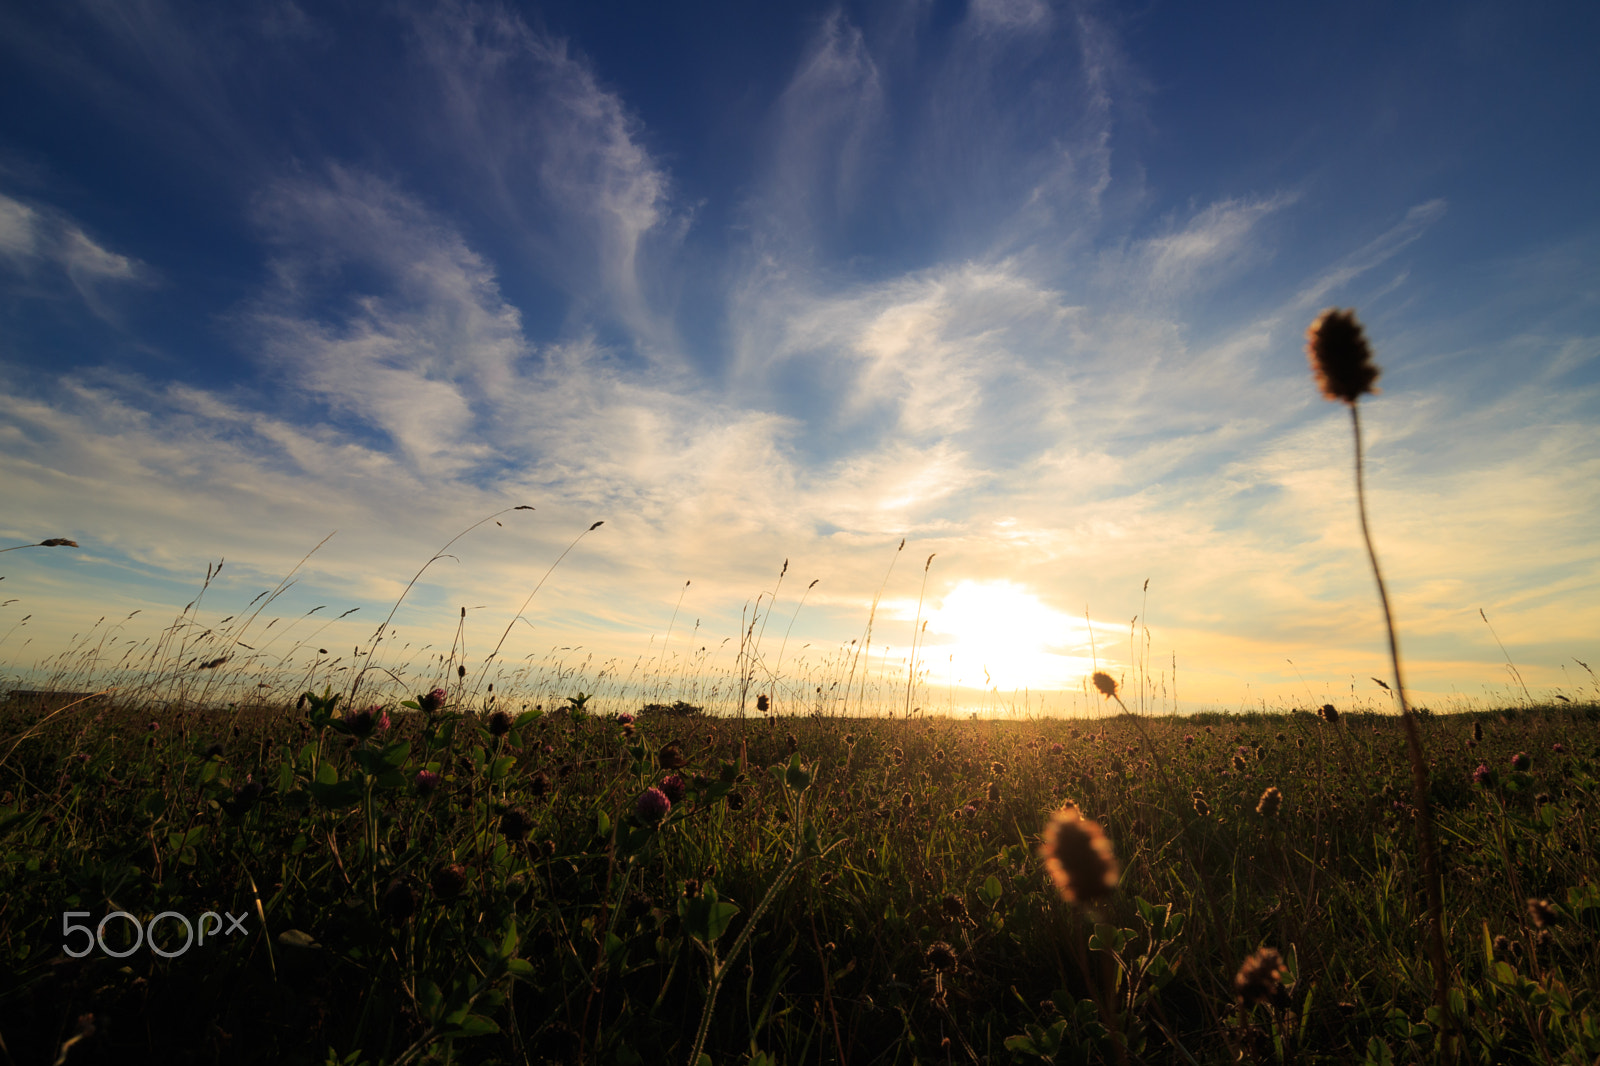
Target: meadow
[431,882]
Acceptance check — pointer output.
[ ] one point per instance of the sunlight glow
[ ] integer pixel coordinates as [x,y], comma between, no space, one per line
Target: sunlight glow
[1001,628]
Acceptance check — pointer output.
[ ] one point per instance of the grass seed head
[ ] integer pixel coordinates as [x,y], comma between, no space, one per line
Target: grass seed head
[1104,682]
[1258,979]
[1340,359]
[1078,857]
[1543,913]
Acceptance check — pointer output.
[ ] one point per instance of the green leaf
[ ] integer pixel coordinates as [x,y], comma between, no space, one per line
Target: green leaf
[336,796]
[1378,1053]
[472,1025]
[502,766]
[989,892]
[430,999]
[705,917]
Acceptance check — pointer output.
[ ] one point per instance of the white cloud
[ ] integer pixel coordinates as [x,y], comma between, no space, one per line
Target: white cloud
[41,241]
[560,158]
[18,227]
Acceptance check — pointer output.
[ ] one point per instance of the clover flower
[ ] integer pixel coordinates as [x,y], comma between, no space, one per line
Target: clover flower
[449,881]
[652,805]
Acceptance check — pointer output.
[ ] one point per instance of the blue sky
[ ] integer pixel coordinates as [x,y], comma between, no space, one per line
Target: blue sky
[1022,283]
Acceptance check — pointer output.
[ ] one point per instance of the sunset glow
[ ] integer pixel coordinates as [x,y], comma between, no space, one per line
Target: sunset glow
[793,297]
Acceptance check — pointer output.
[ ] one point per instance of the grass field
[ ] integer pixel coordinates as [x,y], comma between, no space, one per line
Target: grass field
[430,884]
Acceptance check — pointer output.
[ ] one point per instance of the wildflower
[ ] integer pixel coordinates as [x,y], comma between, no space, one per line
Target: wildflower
[1328,713]
[515,823]
[1543,913]
[448,881]
[954,907]
[1257,980]
[905,800]
[1104,683]
[1506,947]
[1483,776]
[1078,856]
[671,757]
[399,902]
[625,719]
[762,703]
[1056,749]
[1521,761]
[1271,799]
[1558,748]
[1477,731]
[425,782]
[1201,807]
[1239,763]
[433,700]
[793,744]
[941,957]
[364,723]
[673,786]
[736,801]
[849,740]
[652,805]
[1340,358]
[539,784]
[994,792]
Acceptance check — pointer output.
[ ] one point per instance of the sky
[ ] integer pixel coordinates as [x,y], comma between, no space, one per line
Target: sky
[972,332]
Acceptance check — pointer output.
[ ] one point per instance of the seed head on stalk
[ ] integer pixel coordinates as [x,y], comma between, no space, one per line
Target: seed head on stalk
[1078,857]
[1341,361]
[1342,365]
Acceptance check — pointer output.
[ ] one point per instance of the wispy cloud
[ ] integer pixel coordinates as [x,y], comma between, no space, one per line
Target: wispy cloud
[41,245]
[561,158]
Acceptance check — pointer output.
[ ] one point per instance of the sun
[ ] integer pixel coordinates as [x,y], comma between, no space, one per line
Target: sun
[996,634]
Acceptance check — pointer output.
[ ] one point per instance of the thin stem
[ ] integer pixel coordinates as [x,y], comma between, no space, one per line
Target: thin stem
[1419,775]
